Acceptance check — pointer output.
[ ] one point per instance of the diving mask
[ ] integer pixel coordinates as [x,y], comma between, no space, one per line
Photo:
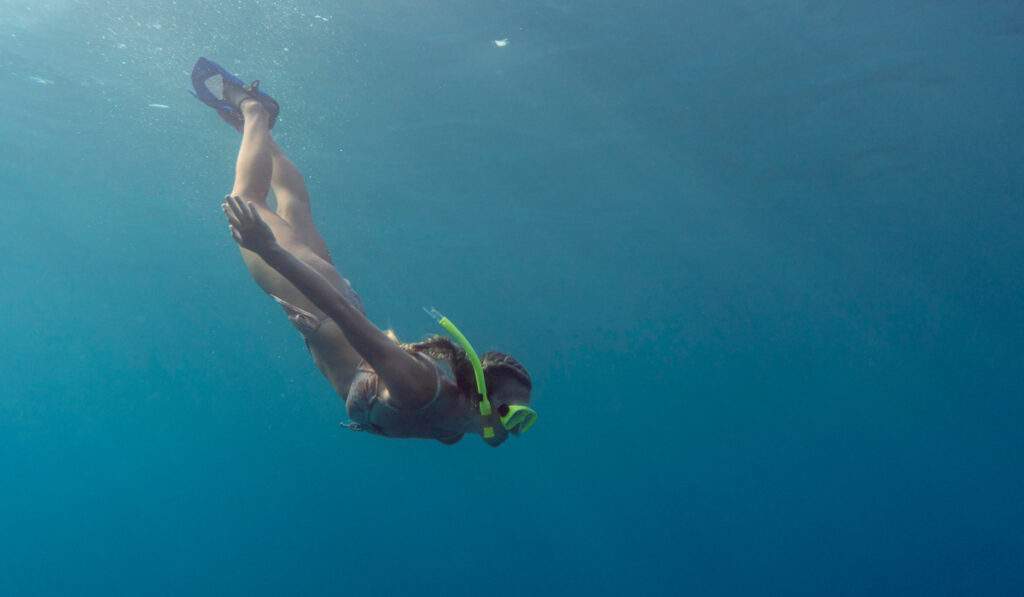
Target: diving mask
[516,418]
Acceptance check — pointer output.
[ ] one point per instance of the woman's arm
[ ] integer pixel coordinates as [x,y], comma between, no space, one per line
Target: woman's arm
[406,377]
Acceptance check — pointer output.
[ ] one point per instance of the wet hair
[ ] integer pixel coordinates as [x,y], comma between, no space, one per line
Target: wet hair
[498,367]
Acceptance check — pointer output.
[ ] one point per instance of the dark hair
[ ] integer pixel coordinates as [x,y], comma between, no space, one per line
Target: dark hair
[497,366]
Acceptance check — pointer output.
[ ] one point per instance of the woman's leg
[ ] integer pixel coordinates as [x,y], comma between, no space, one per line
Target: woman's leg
[293,202]
[261,166]
[254,172]
[285,180]
[255,166]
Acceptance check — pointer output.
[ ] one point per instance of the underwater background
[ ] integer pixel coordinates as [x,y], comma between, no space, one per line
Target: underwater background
[763,260]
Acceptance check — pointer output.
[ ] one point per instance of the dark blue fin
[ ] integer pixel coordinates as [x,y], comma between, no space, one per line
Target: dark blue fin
[208,80]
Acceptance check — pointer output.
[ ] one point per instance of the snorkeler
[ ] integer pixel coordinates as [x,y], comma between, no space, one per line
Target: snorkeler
[435,389]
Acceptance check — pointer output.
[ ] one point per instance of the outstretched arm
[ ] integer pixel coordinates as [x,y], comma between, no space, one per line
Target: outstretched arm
[406,377]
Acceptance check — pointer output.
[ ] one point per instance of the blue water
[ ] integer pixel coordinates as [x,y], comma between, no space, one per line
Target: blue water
[762,260]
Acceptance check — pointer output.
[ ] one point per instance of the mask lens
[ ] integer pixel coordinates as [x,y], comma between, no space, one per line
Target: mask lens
[518,419]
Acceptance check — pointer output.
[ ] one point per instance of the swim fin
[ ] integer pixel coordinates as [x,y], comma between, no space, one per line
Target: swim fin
[213,84]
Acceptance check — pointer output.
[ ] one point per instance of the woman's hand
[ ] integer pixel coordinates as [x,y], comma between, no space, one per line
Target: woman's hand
[247,227]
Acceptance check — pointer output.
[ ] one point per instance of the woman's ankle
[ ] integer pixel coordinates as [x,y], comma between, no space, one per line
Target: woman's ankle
[252,109]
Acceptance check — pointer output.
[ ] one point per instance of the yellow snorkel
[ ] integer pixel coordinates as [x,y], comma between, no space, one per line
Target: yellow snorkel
[514,418]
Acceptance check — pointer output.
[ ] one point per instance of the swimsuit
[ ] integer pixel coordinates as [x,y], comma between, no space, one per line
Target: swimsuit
[371,408]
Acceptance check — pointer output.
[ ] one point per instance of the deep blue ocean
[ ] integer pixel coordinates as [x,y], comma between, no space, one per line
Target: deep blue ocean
[763,260]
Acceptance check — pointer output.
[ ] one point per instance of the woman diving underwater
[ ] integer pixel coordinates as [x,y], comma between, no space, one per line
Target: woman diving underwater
[435,389]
